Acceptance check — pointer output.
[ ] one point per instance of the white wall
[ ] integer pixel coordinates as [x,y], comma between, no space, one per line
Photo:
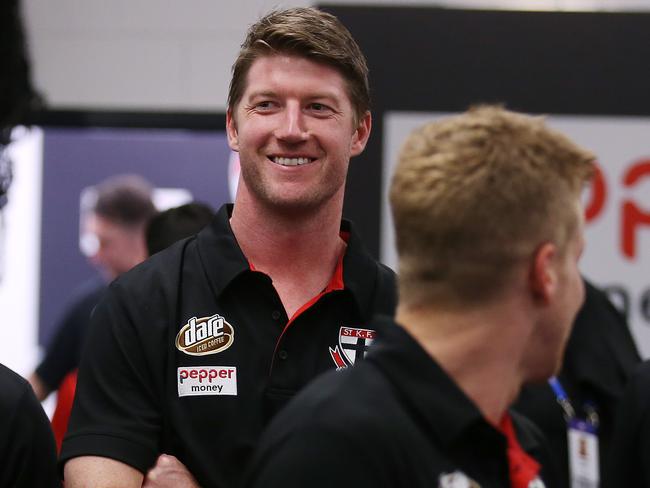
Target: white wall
[167,54]
[21,256]
[151,54]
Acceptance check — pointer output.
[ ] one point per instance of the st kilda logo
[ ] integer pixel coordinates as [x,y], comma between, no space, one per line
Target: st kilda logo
[205,335]
[353,345]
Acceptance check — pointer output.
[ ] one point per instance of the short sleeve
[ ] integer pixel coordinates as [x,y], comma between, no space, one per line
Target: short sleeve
[117,408]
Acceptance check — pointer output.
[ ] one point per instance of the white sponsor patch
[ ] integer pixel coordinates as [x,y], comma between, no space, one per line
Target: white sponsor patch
[207,380]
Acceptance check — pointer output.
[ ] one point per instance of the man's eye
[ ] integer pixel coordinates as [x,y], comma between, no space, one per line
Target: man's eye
[320,109]
[264,105]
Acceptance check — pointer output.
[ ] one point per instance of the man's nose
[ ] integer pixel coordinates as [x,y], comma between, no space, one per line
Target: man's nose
[292,126]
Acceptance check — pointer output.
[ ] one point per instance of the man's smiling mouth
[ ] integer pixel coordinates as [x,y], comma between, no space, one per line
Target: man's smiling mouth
[283,161]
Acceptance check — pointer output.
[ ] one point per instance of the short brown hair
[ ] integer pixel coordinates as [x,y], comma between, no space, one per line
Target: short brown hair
[474,194]
[176,223]
[310,33]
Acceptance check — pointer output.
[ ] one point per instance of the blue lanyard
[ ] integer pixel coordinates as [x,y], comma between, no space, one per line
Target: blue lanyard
[562,398]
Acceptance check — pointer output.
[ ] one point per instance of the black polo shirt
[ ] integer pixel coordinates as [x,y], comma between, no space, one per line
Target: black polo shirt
[395,420]
[191,353]
[630,444]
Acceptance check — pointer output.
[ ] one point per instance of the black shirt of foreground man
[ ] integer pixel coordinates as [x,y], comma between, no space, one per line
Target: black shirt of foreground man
[27,450]
[395,420]
[151,388]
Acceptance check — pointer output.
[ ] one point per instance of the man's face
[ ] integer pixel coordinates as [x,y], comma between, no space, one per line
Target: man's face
[117,248]
[294,131]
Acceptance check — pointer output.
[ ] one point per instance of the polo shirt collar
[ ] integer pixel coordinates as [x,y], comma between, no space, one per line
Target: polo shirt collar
[223,261]
[219,252]
[360,273]
[444,409]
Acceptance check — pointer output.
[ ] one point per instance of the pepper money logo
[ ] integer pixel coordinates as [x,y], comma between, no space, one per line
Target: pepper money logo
[205,335]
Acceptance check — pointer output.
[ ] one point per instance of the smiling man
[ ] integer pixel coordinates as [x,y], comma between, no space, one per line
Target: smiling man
[191,353]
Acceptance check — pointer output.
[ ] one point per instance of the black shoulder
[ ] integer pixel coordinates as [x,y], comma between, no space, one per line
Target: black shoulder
[27,446]
[13,387]
[310,442]
[161,270]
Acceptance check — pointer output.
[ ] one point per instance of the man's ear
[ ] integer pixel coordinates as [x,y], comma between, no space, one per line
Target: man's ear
[361,135]
[231,130]
[543,273]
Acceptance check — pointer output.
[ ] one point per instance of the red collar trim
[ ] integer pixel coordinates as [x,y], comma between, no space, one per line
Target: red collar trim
[336,283]
[523,468]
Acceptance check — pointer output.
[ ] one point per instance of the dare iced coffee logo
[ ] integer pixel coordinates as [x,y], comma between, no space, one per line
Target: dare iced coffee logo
[206,335]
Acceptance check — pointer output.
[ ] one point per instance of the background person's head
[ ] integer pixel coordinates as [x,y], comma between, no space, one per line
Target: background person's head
[309,33]
[176,223]
[116,223]
[475,195]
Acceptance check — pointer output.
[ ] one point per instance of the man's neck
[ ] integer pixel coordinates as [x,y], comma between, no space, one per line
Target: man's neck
[298,251]
[480,349]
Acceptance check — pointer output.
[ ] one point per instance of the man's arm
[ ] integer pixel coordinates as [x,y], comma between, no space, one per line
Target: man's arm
[99,472]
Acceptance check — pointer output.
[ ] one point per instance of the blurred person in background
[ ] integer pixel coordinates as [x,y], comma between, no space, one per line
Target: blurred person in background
[113,236]
[173,224]
[628,461]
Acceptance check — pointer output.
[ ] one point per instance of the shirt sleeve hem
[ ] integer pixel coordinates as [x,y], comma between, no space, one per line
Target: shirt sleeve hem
[126,451]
